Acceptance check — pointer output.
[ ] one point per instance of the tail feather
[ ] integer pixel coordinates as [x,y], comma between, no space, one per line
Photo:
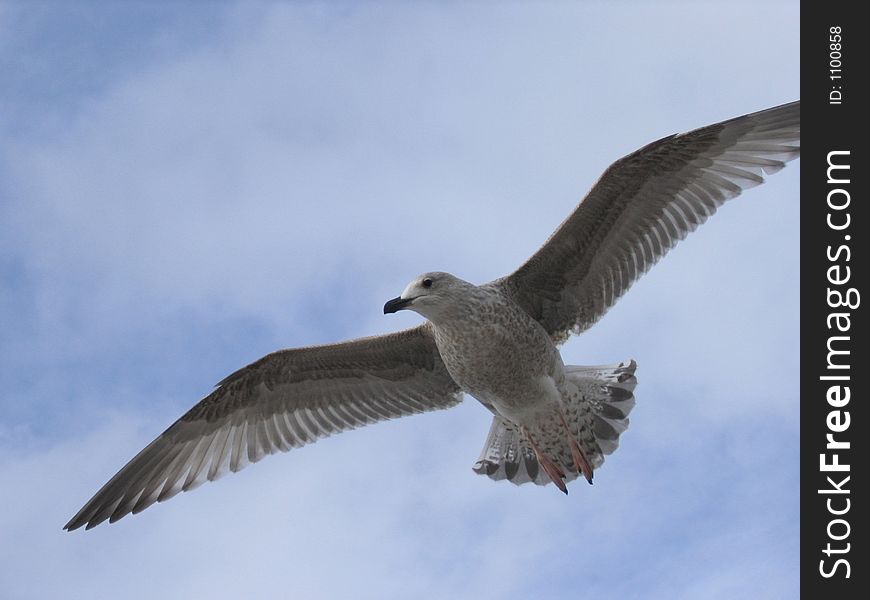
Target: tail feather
[507,455]
[607,391]
[610,390]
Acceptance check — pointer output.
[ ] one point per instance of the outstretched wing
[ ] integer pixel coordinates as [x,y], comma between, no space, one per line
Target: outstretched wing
[282,401]
[640,208]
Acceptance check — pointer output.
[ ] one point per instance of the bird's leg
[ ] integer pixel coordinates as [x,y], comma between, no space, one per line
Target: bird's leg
[554,471]
[582,465]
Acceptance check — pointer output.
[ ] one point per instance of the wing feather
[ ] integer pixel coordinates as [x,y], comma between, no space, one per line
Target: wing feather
[284,400]
[640,208]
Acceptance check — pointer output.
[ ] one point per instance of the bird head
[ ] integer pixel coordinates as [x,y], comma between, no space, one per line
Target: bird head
[431,295]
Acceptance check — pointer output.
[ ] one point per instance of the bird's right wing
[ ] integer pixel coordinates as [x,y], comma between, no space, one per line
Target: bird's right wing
[284,400]
[640,208]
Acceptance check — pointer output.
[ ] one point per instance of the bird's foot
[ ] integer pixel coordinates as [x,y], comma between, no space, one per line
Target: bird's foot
[580,462]
[553,470]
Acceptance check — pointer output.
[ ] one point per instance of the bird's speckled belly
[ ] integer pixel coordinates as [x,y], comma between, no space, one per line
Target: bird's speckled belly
[491,361]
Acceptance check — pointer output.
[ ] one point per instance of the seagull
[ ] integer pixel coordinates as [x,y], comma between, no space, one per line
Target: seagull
[497,342]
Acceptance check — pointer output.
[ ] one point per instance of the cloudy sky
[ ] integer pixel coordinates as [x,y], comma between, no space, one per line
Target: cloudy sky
[186,187]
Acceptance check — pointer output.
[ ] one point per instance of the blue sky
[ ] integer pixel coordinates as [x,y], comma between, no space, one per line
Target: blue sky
[186,187]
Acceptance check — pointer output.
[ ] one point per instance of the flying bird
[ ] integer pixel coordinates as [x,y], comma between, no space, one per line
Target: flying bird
[497,342]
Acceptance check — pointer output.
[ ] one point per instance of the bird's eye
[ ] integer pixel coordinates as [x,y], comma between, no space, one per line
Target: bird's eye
[427,283]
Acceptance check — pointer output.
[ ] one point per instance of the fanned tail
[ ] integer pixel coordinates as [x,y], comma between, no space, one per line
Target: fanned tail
[604,400]
[610,391]
[507,455]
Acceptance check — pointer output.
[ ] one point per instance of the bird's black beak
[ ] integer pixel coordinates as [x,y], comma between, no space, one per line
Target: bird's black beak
[396,304]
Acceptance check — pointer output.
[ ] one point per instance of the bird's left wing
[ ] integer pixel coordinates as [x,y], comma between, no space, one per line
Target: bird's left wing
[282,401]
[640,208]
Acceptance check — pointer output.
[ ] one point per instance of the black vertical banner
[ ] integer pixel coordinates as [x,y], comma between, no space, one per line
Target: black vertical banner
[833,227]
